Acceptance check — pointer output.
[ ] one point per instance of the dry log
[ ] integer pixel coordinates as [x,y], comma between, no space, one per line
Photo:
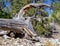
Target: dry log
[15,26]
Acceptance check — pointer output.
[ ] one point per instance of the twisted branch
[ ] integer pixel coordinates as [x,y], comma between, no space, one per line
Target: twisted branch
[28,6]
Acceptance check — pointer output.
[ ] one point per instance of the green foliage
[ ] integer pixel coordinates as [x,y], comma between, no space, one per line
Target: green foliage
[5,15]
[18,4]
[56,13]
[30,12]
[42,28]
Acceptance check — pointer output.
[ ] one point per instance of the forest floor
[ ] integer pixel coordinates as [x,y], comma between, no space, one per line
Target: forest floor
[26,42]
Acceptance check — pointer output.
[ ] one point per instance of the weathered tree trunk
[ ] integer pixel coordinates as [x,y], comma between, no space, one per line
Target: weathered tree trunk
[15,26]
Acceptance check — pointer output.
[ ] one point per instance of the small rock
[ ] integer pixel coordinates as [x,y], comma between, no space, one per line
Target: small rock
[37,44]
[6,37]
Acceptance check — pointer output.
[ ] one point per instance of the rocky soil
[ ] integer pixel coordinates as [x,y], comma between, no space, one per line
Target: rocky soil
[18,42]
[28,42]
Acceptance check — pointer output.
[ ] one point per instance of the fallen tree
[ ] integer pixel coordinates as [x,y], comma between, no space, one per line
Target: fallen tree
[17,24]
